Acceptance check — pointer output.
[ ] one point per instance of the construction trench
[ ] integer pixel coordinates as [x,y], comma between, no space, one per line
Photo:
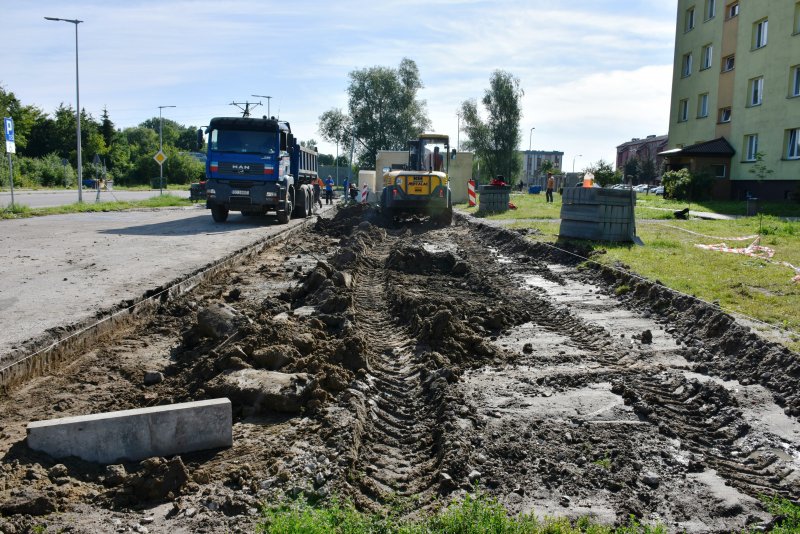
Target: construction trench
[408,365]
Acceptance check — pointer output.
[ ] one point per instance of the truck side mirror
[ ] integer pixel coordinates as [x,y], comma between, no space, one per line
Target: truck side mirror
[200,138]
[453,154]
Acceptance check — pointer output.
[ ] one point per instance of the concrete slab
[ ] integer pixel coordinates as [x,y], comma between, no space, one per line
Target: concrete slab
[136,434]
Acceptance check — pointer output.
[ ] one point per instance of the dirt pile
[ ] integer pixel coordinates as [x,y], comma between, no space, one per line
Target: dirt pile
[396,366]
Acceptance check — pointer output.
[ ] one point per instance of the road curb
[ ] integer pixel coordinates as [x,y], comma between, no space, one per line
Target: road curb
[59,345]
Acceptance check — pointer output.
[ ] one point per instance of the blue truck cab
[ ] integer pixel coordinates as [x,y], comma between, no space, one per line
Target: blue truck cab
[255,166]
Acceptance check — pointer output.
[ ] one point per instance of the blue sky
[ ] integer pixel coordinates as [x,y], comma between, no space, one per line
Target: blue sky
[595,72]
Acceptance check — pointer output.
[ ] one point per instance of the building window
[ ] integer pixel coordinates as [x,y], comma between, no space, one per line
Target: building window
[756,92]
[702,105]
[760,33]
[683,110]
[689,21]
[686,70]
[794,81]
[728,63]
[732,10]
[751,147]
[796,25]
[719,170]
[724,115]
[793,144]
[708,54]
[711,9]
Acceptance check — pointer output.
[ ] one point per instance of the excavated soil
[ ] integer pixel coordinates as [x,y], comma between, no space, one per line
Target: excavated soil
[404,366]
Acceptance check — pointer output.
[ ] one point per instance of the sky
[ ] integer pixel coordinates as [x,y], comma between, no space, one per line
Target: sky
[595,73]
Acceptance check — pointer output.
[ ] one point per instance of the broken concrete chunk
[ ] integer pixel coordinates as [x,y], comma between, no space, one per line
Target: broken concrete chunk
[217,321]
[153,377]
[266,391]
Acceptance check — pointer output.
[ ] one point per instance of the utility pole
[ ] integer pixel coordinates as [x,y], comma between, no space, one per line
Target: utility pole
[458,132]
[161,150]
[573,161]
[77,104]
[268,99]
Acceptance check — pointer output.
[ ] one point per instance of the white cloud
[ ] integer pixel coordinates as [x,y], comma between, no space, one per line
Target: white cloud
[594,73]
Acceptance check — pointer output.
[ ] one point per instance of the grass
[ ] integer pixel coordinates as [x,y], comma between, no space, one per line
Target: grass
[21,212]
[476,513]
[738,283]
[647,207]
[787,512]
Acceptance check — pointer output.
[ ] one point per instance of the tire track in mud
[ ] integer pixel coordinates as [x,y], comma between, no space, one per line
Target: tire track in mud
[396,455]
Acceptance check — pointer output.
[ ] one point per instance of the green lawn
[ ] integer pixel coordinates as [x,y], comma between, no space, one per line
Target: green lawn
[739,283]
[647,207]
[21,212]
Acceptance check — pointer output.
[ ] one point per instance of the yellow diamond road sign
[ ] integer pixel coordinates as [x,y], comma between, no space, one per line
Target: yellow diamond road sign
[160,157]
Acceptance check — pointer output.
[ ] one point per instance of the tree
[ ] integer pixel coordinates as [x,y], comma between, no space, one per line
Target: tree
[383,112]
[632,170]
[604,174]
[495,141]
[107,128]
[760,169]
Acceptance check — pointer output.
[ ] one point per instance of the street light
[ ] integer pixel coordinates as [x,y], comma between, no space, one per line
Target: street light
[268,99]
[77,104]
[458,132]
[530,155]
[573,161]
[160,148]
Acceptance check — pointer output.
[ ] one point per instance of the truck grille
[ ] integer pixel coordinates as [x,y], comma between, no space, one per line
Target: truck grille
[241,169]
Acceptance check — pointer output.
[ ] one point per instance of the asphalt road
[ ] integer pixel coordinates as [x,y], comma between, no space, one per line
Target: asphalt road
[46,199]
[61,269]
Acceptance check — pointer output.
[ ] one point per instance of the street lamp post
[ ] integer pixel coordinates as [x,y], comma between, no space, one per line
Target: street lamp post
[77,104]
[160,149]
[530,155]
[458,132]
[573,161]
[268,99]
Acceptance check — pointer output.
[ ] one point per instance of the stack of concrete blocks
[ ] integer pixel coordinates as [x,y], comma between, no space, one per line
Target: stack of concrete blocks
[598,214]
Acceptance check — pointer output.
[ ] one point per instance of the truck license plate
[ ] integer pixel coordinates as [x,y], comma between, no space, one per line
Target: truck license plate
[241,192]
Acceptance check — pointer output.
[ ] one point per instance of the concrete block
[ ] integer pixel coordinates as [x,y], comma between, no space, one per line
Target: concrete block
[136,434]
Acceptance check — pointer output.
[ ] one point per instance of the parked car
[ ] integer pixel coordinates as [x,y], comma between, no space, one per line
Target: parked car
[641,188]
[659,190]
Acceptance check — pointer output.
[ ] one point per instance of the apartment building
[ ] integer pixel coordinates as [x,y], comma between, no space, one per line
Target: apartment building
[643,149]
[736,95]
[532,163]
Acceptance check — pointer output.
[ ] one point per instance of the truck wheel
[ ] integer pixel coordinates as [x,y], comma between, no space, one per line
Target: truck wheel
[303,209]
[219,213]
[286,214]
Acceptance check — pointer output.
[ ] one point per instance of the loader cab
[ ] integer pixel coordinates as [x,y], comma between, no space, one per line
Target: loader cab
[429,153]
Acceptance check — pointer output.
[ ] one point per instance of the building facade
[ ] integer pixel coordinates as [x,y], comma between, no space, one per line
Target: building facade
[736,79]
[532,163]
[646,149]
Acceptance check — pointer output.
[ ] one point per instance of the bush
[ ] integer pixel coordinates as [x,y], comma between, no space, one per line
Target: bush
[682,185]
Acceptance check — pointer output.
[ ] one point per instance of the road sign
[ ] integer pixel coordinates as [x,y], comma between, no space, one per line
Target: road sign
[8,128]
[160,157]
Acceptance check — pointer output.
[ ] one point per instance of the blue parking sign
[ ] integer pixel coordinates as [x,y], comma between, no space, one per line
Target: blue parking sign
[8,128]
[8,124]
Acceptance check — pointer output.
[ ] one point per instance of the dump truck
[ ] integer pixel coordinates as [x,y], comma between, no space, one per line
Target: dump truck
[422,185]
[256,166]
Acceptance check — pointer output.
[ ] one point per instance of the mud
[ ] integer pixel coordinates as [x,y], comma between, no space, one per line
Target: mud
[404,366]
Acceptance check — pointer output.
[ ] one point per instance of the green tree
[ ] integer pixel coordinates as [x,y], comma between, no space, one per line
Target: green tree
[383,111]
[647,172]
[107,128]
[632,170]
[760,170]
[604,173]
[495,140]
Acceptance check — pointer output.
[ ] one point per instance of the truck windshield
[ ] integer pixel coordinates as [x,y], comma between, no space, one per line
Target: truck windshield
[243,142]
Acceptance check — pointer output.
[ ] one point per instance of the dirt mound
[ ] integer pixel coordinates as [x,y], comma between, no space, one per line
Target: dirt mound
[415,259]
